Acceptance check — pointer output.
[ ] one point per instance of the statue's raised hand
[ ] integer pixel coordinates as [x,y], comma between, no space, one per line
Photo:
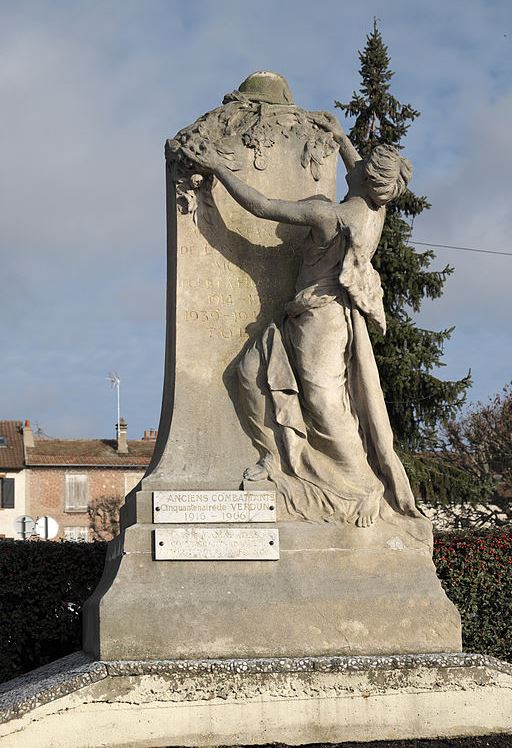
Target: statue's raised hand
[329,122]
[202,154]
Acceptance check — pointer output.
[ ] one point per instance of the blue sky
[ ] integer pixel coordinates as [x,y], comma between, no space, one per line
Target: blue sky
[91,90]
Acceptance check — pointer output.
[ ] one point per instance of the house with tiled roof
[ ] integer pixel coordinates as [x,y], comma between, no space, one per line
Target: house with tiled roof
[12,476]
[64,478]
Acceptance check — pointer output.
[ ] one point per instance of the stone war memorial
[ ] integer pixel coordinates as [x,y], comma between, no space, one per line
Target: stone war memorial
[273,579]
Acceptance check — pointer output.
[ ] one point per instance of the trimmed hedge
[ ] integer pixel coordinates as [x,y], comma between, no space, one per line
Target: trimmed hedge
[44,585]
[475,569]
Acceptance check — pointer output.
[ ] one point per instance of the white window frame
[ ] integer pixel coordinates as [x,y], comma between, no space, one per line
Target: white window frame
[71,503]
[76,534]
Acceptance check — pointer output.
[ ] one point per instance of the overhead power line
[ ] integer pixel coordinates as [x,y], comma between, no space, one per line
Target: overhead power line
[464,249]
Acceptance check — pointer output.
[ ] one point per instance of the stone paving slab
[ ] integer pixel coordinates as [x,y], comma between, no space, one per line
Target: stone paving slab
[48,683]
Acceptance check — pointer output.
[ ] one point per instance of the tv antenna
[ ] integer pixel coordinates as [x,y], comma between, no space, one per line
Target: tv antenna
[115,382]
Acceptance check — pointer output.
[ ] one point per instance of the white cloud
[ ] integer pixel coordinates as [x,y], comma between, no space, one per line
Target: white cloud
[471,209]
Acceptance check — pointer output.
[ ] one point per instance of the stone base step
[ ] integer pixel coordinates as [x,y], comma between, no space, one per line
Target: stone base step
[84,703]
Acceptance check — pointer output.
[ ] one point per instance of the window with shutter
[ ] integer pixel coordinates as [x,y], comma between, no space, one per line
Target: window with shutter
[7,493]
[76,492]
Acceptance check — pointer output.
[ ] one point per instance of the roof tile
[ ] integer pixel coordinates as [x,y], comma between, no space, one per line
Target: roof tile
[89,452]
[11,456]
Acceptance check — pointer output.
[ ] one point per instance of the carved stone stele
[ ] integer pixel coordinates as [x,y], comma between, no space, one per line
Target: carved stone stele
[230,275]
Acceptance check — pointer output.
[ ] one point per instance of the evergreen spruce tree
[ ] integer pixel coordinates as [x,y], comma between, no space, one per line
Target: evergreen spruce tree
[417,401]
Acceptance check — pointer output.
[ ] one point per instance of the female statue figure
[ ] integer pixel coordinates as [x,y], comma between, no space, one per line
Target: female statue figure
[309,387]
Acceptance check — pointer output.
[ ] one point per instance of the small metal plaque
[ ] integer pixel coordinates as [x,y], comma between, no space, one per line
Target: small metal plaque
[184,507]
[216,544]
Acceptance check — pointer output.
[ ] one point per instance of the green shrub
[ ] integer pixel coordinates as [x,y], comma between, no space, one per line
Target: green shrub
[440,481]
[44,585]
[475,569]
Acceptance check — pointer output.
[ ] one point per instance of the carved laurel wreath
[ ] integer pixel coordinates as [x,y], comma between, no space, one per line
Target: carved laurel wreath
[255,124]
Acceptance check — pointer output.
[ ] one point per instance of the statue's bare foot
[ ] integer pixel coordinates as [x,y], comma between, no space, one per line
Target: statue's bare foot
[368,512]
[258,471]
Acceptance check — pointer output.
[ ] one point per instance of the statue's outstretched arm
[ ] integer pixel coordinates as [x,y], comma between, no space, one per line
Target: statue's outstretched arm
[320,215]
[317,214]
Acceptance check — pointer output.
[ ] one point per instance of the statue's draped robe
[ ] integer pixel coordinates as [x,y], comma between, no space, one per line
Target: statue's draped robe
[333,444]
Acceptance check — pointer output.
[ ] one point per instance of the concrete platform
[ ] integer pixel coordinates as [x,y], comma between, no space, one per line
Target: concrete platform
[78,702]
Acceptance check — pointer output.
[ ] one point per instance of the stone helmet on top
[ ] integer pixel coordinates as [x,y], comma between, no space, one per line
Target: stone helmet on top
[264,86]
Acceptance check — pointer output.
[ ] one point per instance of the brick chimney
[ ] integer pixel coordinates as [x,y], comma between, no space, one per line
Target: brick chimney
[150,435]
[122,443]
[28,436]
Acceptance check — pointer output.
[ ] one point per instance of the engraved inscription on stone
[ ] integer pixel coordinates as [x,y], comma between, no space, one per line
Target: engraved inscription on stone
[216,544]
[183,507]
[217,299]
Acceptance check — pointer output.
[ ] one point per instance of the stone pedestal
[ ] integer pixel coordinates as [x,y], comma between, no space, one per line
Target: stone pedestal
[335,590]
